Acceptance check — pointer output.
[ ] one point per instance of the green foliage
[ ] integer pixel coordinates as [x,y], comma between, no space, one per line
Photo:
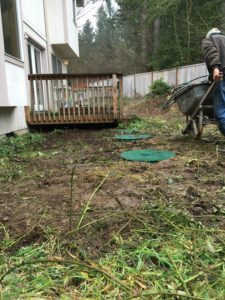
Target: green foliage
[160,88]
[15,145]
[153,125]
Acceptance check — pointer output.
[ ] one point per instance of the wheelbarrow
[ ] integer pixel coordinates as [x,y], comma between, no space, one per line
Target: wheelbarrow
[195,101]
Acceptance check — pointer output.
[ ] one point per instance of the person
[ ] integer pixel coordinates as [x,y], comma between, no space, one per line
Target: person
[213,49]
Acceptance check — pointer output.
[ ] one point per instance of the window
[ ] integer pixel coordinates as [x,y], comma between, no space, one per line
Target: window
[34,55]
[10,27]
[35,66]
[56,65]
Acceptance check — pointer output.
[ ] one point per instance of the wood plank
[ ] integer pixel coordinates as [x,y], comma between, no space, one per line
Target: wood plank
[84,120]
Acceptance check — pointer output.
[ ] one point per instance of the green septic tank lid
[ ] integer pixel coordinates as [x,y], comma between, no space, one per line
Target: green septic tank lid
[132,137]
[147,155]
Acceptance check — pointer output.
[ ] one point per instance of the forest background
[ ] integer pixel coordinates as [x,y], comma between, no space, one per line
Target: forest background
[146,35]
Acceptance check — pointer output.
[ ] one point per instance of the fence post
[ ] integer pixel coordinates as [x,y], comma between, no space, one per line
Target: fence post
[177,73]
[135,88]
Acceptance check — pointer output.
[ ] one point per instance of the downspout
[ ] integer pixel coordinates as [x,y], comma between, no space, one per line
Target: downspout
[47,38]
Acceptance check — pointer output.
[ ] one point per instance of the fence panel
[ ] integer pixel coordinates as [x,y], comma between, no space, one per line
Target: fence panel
[128,86]
[143,82]
[188,73]
[138,85]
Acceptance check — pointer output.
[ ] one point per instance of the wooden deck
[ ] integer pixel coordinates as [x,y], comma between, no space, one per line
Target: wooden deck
[74,99]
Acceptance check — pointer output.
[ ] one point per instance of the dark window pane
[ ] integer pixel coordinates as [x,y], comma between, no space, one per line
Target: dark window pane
[10,27]
[30,61]
[59,66]
[37,55]
[56,65]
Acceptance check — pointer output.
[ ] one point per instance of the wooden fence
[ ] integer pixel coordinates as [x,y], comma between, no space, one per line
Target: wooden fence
[74,99]
[138,85]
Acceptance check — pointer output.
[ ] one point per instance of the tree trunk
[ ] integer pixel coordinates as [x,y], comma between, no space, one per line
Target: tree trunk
[144,35]
[156,35]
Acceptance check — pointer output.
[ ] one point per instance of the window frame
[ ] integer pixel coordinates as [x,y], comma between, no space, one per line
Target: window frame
[19,55]
[33,50]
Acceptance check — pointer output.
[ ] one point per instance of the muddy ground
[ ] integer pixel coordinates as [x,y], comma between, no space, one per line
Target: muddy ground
[36,197]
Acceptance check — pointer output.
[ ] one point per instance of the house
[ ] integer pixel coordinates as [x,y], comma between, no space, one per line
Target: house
[36,37]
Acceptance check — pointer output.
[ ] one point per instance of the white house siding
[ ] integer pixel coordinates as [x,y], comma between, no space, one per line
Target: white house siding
[54,14]
[13,84]
[71,28]
[61,27]
[35,30]
[33,15]
[3,94]
[16,85]
[12,119]
[42,23]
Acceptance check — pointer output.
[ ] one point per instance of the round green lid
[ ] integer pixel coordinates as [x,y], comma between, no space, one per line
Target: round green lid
[132,137]
[147,155]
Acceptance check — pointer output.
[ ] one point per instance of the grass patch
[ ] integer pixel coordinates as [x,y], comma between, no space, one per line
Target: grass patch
[13,149]
[163,255]
[119,251]
[12,146]
[154,124]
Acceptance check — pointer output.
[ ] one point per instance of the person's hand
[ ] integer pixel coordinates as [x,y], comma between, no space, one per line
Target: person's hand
[217,74]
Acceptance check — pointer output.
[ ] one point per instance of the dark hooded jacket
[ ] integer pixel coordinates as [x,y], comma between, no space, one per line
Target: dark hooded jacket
[213,49]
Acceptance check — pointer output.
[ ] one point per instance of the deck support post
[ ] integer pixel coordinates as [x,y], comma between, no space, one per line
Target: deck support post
[27,113]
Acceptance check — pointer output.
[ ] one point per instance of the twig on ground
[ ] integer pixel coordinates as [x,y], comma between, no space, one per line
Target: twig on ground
[92,222]
[89,201]
[172,294]
[71,199]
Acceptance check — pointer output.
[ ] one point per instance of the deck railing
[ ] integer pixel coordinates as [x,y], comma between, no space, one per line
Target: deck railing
[74,98]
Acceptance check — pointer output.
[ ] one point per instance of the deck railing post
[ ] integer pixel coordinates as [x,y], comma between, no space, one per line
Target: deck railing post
[32,100]
[115,96]
[121,97]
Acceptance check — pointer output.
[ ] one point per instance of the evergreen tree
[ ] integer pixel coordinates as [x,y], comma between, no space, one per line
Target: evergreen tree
[147,35]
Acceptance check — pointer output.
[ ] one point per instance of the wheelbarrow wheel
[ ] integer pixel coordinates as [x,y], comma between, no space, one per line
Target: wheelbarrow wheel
[195,128]
[200,122]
